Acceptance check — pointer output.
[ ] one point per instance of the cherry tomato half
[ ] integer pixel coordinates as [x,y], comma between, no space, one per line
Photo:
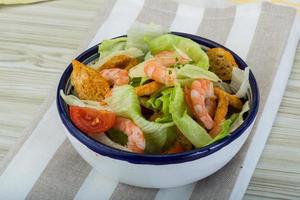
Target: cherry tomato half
[92,121]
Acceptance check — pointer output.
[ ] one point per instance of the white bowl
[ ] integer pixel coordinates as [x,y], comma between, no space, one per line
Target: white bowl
[158,171]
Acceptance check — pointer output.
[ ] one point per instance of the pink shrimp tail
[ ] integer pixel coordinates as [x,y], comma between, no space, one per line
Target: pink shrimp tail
[115,76]
[158,72]
[136,140]
[200,91]
[169,58]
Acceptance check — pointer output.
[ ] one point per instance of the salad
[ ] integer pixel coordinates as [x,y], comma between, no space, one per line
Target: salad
[155,92]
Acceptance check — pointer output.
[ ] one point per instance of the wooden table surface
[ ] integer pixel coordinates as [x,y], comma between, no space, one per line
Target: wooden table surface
[38,40]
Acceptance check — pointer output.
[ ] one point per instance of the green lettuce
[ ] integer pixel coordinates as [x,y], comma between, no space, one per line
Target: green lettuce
[72,100]
[225,128]
[103,138]
[108,47]
[148,55]
[188,73]
[240,81]
[159,102]
[137,71]
[189,128]
[188,46]
[139,33]
[137,81]
[117,136]
[239,120]
[124,102]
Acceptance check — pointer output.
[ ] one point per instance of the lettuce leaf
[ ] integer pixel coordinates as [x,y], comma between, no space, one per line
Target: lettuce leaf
[239,120]
[139,33]
[137,81]
[189,128]
[189,47]
[102,138]
[137,71]
[225,130]
[148,55]
[159,102]
[72,100]
[124,102]
[240,81]
[117,136]
[110,46]
[188,73]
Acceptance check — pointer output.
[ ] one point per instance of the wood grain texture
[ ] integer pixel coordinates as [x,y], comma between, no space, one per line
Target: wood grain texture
[20,1]
[36,43]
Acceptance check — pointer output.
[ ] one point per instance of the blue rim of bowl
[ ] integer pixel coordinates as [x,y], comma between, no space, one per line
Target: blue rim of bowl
[135,158]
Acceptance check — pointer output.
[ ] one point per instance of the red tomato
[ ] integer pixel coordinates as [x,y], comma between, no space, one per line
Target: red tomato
[92,121]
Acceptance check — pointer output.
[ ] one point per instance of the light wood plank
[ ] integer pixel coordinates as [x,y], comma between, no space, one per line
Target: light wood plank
[36,43]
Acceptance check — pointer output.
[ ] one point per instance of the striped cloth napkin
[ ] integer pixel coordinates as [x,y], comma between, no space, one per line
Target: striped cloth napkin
[47,167]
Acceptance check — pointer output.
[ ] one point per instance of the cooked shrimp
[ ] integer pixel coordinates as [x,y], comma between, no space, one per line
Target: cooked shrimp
[211,103]
[136,141]
[169,58]
[157,68]
[158,72]
[201,92]
[188,100]
[115,76]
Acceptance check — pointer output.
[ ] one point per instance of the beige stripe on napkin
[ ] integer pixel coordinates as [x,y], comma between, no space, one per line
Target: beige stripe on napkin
[217,23]
[124,191]
[159,12]
[62,177]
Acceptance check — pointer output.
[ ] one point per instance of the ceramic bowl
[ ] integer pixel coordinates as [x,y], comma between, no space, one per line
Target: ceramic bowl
[158,171]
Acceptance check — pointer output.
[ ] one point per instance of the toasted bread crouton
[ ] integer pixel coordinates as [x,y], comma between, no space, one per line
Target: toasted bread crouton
[88,83]
[119,61]
[221,63]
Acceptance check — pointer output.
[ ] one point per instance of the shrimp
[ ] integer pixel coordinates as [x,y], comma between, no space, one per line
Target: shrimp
[201,93]
[211,103]
[157,68]
[169,58]
[136,140]
[115,76]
